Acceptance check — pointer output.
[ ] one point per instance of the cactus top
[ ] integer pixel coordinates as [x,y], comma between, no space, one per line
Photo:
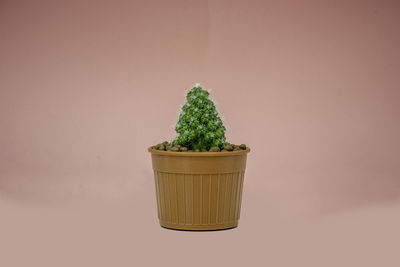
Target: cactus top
[199,126]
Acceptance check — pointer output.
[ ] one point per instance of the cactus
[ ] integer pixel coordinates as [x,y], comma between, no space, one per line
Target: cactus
[199,126]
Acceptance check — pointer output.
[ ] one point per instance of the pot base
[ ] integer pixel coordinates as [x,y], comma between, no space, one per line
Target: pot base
[199,227]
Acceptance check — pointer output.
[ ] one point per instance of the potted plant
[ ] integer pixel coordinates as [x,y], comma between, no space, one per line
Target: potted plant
[199,176]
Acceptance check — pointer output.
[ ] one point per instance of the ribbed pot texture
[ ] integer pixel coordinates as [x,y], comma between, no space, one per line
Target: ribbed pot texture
[199,190]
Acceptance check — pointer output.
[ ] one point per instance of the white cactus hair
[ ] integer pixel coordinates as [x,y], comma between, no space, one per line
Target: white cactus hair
[190,88]
[178,112]
[185,92]
[214,101]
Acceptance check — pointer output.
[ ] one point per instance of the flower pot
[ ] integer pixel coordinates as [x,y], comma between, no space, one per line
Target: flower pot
[199,190]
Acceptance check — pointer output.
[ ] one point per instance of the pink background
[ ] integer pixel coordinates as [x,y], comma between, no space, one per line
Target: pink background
[312,87]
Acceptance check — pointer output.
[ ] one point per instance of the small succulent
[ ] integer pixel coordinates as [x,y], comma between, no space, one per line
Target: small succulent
[199,126]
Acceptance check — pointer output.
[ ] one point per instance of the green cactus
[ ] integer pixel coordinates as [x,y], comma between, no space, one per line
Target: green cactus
[199,126]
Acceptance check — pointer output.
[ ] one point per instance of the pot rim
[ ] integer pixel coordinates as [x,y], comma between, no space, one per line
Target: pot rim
[198,154]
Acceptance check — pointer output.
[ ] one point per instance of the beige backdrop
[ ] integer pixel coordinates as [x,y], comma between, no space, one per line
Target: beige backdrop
[312,87]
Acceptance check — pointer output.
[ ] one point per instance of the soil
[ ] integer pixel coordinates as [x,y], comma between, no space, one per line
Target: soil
[166,146]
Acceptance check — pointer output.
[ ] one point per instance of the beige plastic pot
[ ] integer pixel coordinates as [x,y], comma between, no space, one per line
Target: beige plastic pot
[199,190]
